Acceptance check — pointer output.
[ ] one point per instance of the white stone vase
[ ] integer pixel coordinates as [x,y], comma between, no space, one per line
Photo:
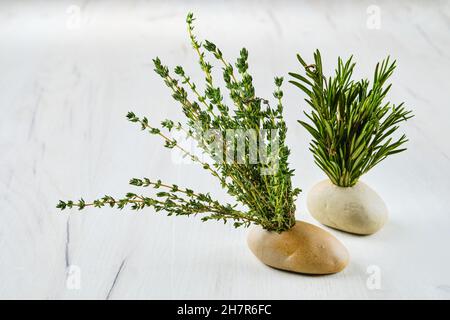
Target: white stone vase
[357,209]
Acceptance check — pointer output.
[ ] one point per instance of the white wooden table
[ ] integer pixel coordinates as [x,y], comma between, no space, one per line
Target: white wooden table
[69,72]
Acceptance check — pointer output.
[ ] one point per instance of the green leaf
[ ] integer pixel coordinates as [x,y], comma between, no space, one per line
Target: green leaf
[349,121]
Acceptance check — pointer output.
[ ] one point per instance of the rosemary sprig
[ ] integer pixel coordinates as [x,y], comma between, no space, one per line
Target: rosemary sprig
[350,123]
[268,199]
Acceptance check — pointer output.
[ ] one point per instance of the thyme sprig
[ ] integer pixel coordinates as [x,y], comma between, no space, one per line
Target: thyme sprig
[267,200]
[350,123]
[190,203]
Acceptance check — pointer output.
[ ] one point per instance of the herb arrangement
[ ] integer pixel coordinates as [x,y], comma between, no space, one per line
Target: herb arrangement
[350,123]
[268,199]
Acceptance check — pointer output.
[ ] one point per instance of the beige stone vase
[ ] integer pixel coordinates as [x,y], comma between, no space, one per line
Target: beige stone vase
[358,209]
[305,248]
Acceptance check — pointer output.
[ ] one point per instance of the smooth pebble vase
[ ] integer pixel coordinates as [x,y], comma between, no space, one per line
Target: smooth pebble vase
[358,209]
[305,248]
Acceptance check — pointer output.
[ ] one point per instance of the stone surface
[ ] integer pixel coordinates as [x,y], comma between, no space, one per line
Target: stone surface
[305,248]
[358,209]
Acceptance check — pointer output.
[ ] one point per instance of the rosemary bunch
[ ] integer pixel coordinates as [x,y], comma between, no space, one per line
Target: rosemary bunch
[350,122]
[263,188]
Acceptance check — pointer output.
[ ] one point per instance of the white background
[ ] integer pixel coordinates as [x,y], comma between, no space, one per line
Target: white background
[70,71]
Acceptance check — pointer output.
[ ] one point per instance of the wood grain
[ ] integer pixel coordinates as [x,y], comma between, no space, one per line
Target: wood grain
[66,87]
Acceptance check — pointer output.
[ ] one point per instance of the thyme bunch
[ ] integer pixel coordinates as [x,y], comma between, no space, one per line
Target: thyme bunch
[350,123]
[268,199]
